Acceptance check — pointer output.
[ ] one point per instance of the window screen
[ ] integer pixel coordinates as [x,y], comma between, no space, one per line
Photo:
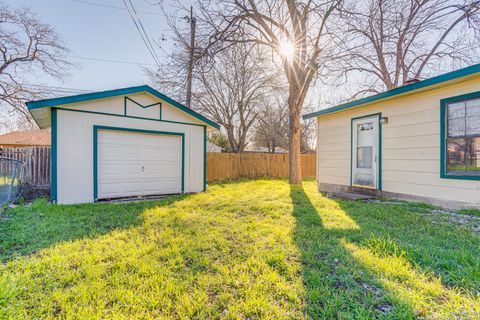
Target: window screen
[364,157]
[463,137]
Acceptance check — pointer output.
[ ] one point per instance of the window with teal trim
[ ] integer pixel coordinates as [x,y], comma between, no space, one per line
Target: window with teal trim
[463,137]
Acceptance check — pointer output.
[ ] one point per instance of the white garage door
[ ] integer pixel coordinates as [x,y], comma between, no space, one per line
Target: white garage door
[138,164]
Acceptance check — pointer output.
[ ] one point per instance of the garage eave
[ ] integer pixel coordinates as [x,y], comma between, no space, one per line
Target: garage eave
[35,106]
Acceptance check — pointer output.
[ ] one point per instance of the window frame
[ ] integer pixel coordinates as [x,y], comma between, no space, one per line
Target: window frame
[444,174]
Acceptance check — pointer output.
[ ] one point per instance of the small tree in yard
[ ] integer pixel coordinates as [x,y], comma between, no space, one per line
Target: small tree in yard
[27,47]
[296,31]
[220,140]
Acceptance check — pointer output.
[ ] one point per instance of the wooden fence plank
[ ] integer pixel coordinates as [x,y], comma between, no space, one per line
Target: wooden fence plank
[220,166]
[36,163]
[231,166]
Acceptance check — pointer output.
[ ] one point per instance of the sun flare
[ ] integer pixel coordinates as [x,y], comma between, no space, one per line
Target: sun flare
[287,48]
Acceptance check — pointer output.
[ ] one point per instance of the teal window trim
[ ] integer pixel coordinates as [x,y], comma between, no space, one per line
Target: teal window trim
[108,128]
[125,110]
[443,137]
[53,136]
[460,73]
[131,117]
[55,102]
[379,173]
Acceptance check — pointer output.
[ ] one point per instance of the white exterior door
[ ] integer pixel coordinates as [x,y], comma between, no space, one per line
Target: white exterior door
[365,155]
[138,164]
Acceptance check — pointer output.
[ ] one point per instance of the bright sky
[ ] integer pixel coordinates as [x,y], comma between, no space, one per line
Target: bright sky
[92,29]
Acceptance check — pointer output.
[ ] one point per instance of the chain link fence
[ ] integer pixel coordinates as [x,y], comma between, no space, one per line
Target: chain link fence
[11,176]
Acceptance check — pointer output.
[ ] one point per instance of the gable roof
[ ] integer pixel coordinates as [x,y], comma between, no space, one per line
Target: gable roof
[410,88]
[26,138]
[48,103]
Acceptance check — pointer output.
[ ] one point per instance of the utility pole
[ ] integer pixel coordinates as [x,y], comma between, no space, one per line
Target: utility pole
[192,21]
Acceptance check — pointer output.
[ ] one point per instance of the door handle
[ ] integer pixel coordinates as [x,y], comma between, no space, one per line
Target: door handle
[143,168]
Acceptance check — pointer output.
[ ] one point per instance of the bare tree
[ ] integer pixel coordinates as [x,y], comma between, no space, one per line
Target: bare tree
[308,139]
[392,41]
[230,90]
[27,47]
[272,127]
[271,130]
[297,31]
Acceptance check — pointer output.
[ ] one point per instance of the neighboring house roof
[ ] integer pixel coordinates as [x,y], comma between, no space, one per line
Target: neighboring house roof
[212,147]
[431,83]
[26,138]
[48,103]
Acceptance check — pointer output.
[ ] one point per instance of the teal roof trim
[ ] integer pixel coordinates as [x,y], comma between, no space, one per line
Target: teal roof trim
[400,90]
[117,92]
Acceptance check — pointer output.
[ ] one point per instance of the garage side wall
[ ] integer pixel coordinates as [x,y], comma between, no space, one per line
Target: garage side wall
[410,147]
[74,148]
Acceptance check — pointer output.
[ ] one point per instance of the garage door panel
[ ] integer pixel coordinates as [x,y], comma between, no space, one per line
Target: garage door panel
[153,141]
[111,188]
[165,155]
[136,164]
[167,185]
[132,187]
[109,152]
[117,168]
[163,168]
[110,170]
[131,169]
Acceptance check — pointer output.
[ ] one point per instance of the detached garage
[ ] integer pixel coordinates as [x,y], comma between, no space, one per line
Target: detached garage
[129,142]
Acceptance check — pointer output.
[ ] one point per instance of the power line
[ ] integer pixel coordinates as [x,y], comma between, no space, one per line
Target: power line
[143,36]
[113,60]
[144,31]
[114,7]
[55,88]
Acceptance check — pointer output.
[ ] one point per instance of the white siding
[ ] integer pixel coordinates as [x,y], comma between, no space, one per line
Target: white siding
[410,146]
[75,146]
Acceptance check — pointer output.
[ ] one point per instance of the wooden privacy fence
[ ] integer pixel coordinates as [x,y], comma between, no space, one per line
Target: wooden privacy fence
[220,166]
[231,166]
[36,163]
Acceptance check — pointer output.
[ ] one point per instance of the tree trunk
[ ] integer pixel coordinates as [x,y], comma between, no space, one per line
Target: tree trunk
[294,159]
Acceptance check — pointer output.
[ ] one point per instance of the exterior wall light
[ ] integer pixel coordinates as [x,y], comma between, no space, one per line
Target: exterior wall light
[384,120]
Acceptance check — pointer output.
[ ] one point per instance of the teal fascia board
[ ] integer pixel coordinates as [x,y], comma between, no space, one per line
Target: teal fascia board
[53,150]
[400,90]
[32,105]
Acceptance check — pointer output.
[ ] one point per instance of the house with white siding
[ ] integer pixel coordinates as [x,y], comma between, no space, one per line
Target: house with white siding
[418,142]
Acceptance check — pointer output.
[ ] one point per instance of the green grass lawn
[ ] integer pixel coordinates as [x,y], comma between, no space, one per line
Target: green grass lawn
[244,250]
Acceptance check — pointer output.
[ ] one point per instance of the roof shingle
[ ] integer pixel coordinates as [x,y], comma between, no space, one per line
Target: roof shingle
[26,138]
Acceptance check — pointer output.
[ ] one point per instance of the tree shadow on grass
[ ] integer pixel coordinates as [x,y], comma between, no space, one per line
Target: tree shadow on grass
[442,250]
[27,229]
[353,269]
[337,285]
